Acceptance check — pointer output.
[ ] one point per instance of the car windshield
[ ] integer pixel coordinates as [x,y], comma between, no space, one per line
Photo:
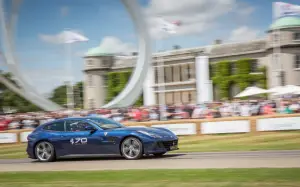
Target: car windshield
[106,123]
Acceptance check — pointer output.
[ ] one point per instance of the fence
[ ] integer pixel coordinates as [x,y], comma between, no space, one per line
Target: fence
[230,125]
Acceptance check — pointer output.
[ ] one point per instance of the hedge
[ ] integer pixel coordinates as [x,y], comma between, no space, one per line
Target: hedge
[223,78]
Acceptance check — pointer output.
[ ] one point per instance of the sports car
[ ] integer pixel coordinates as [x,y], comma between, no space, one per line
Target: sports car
[84,136]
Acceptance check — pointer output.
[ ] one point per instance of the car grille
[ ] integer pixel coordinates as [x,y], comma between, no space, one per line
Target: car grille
[168,144]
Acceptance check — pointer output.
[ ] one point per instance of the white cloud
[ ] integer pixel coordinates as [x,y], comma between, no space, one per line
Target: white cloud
[197,16]
[115,45]
[57,38]
[243,33]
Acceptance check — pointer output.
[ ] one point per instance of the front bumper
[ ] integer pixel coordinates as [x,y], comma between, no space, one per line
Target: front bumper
[161,146]
[30,150]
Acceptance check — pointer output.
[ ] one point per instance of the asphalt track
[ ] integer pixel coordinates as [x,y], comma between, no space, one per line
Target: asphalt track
[252,159]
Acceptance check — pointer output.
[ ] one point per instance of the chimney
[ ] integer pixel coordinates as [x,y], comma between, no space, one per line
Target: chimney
[218,41]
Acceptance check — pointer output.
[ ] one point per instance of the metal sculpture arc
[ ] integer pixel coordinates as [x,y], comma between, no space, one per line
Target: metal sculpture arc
[127,97]
[135,85]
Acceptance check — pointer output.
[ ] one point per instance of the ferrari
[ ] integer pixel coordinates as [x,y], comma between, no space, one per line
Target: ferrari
[85,136]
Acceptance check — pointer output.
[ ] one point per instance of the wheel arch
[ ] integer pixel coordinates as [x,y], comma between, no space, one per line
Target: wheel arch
[127,136]
[42,140]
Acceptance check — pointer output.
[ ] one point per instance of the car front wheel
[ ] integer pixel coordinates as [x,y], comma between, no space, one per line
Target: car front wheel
[45,152]
[132,148]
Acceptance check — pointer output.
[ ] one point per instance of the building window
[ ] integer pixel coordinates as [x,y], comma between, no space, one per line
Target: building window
[156,75]
[253,67]
[275,61]
[90,80]
[275,37]
[297,62]
[212,72]
[190,97]
[91,104]
[232,68]
[90,62]
[253,84]
[233,90]
[105,79]
[105,62]
[192,70]
[216,93]
[282,78]
[188,72]
[169,74]
[297,36]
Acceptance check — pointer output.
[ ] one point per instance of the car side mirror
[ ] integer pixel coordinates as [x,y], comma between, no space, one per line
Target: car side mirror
[91,129]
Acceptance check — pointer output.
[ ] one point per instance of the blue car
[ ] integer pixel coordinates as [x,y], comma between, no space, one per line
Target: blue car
[86,136]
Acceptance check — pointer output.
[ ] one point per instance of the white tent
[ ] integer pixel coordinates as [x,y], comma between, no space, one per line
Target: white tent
[276,89]
[288,89]
[252,91]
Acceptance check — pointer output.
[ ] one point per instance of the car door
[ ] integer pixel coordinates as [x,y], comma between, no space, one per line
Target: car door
[81,139]
[56,134]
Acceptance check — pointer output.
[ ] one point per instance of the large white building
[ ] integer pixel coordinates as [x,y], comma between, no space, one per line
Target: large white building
[186,79]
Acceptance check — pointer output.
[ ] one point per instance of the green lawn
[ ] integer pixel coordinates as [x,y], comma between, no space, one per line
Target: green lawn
[156,178]
[229,142]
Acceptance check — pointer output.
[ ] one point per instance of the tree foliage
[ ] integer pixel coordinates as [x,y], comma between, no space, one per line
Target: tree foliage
[11,100]
[116,82]
[59,95]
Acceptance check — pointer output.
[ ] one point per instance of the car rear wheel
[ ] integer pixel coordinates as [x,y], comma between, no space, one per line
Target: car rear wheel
[159,154]
[45,152]
[132,148]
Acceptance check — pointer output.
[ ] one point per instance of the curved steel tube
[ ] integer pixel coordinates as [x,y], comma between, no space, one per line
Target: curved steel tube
[126,98]
[135,85]
[27,90]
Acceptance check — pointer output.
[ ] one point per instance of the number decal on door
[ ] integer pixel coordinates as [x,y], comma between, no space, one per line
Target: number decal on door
[77,141]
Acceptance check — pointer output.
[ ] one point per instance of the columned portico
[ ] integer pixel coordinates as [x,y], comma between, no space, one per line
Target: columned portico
[203,84]
[148,90]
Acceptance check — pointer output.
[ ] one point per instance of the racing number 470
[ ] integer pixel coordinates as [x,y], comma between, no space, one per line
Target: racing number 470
[78,141]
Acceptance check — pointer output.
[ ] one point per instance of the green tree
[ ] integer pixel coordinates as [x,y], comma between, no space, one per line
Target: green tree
[9,99]
[116,83]
[59,95]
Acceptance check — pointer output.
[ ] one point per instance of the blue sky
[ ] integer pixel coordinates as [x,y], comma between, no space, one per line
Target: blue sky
[44,62]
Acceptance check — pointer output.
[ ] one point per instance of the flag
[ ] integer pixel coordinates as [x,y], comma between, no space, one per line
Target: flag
[72,37]
[169,27]
[281,9]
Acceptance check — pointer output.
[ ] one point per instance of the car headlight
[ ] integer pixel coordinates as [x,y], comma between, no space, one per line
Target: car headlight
[150,134]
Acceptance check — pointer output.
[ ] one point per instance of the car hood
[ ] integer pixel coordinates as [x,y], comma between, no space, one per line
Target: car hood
[147,129]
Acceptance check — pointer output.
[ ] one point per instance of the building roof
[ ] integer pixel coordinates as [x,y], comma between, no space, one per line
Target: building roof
[286,22]
[97,51]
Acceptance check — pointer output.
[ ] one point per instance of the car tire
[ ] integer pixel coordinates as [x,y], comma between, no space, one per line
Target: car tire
[159,154]
[132,148]
[45,151]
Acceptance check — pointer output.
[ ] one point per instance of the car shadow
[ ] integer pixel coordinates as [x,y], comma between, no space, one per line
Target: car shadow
[115,157]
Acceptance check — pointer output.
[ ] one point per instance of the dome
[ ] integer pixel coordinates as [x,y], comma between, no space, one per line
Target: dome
[97,51]
[286,22]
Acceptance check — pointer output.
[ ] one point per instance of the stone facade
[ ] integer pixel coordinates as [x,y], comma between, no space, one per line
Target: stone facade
[180,72]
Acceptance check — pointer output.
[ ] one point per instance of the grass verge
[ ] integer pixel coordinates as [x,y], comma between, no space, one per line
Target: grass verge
[224,142]
[155,178]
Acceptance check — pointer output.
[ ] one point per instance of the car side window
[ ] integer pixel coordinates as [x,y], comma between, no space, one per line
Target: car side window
[77,125]
[56,126]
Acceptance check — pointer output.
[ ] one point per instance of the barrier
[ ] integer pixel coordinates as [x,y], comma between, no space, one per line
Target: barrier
[180,129]
[259,124]
[8,138]
[220,127]
[278,124]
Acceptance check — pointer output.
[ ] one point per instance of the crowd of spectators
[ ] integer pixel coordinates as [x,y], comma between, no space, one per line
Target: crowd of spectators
[138,114]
